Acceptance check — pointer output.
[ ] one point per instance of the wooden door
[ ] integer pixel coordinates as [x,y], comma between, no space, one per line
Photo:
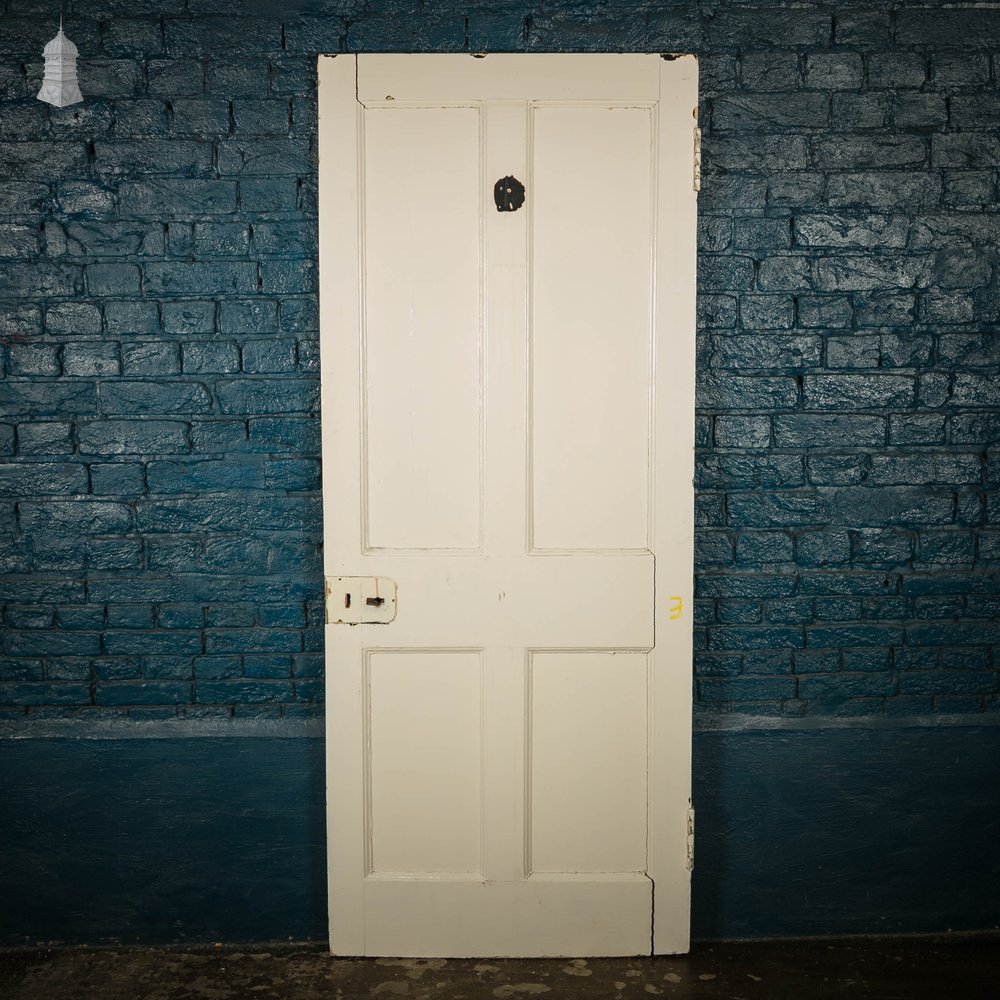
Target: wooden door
[507,446]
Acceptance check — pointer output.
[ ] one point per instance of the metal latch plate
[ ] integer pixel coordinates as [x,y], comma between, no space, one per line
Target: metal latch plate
[358,600]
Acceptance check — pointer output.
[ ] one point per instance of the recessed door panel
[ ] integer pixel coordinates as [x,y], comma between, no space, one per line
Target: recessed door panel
[591,326]
[423,736]
[588,765]
[422,320]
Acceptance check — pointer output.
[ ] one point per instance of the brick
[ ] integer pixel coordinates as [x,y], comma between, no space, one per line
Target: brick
[292,475]
[781,509]
[245,157]
[258,396]
[33,359]
[969,150]
[51,437]
[36,160]
[726,689]
[40,279]
[974,390]
[850,112]
[218,436]
[242,692]
[123,692]
[140,119]
[73,319]
[901,505]
[852,231]
[886,547]
[265,118]
[41,479]
[763,547]
[24,198]
[92,359]
[919,111]
[737,392]
[892,70]
[118,479]
[199,278]
[75,518]
[713,547]
[198,116]
[132,437]
[759,113]
[839,686]
[969,189]
[742,431]
[117,279]
[857,392]
[293,74]
[774,351]
[130,318]
[946,548]
[140,398]
[767,153]
[49,399]
[749,29]
[285,434]
[269,356]
[785,272]
[834,70]
[151,358]
[963,29]
[957,70]
[836,470]
[210,356]
[184,319]
[505,32]
[926,468]
[228,77]
[153,156]
[18,241]
[884,189]
[221,239]
[853,352]
[916,428]
[202,476]
[207,36]
[176,77]
[64,693]
[183,197]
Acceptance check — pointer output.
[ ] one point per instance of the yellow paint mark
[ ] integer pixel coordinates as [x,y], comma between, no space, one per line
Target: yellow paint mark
[676,608]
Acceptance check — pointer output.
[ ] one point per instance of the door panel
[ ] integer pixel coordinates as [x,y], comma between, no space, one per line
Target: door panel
[508,430]
[591,313]
[422,341]
[425,789]
[588,765]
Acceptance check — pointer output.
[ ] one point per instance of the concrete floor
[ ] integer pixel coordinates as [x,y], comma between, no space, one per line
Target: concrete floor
[857,968]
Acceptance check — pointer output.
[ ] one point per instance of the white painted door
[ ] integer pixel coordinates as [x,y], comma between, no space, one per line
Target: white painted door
[508,437]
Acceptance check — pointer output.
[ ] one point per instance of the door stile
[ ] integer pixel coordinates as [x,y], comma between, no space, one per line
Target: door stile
[505,405]
[340,258]
[674,378]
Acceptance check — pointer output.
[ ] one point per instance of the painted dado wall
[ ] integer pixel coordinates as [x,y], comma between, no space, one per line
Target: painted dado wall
[161,666]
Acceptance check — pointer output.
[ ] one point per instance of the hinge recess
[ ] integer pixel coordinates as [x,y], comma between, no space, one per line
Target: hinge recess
[690,839]
[697,158]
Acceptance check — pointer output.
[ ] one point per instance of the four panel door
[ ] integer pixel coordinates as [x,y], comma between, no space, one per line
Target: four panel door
[507,445]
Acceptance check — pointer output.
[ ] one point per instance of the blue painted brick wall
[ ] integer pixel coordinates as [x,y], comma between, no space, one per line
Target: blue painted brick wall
[159,436]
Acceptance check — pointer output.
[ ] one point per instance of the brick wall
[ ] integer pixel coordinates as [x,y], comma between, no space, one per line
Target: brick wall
[159,435]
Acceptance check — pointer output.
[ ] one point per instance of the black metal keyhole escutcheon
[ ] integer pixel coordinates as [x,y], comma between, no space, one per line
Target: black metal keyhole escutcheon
[508,193]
